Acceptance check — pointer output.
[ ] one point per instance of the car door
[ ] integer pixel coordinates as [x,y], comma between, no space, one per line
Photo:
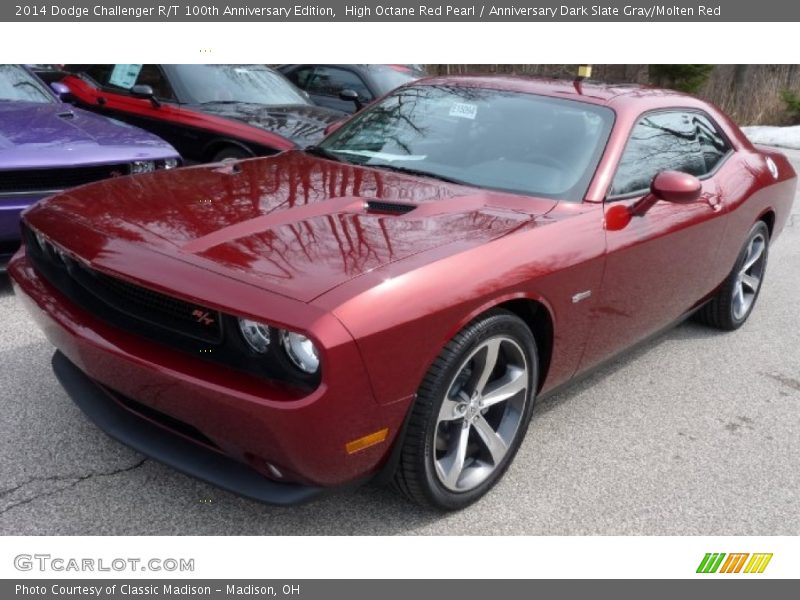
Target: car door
[326,83]
[663,261]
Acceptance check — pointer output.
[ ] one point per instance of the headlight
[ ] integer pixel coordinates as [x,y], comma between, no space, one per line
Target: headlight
[255,334]
[282,350]
[142,166]
[168,163]
[301,351]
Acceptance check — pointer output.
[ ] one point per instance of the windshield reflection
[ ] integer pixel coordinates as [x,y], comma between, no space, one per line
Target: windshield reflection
[254,84]
[489,138]
[17,85]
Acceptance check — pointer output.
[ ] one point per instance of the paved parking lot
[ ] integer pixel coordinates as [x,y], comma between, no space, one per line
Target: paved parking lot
[694,433]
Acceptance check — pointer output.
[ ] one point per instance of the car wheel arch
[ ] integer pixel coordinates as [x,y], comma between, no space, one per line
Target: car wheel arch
[537,314]
[539,320]
[213,147]
[768,216]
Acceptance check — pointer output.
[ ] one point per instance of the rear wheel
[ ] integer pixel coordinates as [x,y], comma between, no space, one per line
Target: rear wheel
[734,301]
[471,413]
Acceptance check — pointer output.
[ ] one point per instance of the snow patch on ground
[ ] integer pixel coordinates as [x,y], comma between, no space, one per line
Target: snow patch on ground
[785,137]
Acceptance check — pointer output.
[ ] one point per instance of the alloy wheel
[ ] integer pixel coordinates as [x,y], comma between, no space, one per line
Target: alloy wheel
[481,413]
[749,277]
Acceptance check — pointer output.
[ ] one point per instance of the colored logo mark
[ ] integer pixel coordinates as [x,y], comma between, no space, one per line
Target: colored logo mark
[734,563]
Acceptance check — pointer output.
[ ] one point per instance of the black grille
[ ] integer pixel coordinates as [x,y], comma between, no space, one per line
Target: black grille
[394,208]
[36,180]
[147,305]
[113,298]
[197,330]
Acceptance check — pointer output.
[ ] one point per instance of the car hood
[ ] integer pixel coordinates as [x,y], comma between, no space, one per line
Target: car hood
[300,123]
[292,224]
[34,135]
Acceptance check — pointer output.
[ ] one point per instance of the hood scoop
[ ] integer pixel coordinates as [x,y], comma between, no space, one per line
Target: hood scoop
[389,208]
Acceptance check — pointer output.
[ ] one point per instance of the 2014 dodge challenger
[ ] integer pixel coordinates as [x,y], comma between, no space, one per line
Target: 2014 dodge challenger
[390,302]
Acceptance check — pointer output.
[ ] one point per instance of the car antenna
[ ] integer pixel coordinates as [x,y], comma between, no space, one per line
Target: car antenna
[584,72]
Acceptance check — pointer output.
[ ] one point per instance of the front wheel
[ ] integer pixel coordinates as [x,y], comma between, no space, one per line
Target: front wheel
[471,413]
[733,303]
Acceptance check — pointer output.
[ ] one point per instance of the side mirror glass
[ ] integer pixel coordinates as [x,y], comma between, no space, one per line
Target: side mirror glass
[142,91]
[674,186]
[351,96]
[61,90]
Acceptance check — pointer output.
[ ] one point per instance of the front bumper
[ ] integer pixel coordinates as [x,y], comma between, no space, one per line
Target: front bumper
[168,448]
[237,417]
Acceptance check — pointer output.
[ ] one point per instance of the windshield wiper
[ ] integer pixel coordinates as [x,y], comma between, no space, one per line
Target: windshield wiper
[322,152]
[420,172]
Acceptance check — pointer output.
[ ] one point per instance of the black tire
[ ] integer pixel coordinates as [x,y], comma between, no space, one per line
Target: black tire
[231,153]
[416,475]
[723,311]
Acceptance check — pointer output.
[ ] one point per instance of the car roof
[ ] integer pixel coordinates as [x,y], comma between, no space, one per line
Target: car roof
[594,92]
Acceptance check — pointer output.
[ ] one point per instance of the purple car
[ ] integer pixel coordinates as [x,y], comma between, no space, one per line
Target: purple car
[47,146]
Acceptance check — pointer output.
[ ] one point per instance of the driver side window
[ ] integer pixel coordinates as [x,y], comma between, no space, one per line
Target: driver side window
[667,141]
[121,78]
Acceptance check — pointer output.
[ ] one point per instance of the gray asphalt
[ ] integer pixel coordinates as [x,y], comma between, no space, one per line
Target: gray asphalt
[695,433]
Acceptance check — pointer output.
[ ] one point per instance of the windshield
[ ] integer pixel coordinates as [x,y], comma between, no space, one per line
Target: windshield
[495,139]
[254,84]
[16,84]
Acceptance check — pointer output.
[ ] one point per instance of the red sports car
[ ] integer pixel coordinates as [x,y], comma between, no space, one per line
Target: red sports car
[207,112]
[391,302]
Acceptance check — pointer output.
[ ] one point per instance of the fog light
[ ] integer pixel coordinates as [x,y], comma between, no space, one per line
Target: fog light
[255,334]
[301,351]
[142,166]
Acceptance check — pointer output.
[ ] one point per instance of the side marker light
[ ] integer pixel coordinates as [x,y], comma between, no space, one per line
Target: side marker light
[366,441]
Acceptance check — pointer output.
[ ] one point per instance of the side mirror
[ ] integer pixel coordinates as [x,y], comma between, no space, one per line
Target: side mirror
[61,90]
[351,96]
[145,92]
[670,186]
[674,186]
[142,91]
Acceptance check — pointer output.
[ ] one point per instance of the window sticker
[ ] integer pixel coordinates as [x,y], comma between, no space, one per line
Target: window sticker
[463,110]
[124,76]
